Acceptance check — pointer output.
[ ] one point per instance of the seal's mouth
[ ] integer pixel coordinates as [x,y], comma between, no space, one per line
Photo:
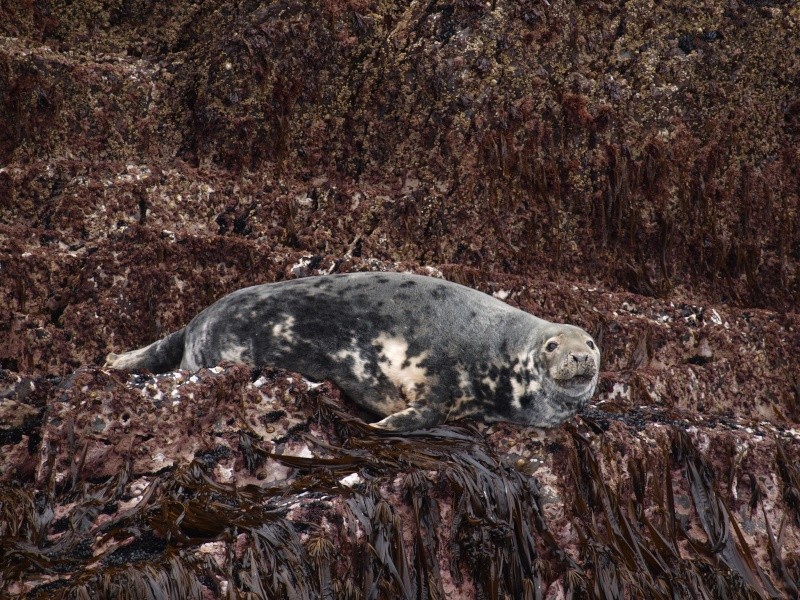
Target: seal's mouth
[576,381]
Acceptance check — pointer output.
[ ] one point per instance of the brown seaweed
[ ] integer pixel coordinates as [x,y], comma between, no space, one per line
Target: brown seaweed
[630,554]
[580,157]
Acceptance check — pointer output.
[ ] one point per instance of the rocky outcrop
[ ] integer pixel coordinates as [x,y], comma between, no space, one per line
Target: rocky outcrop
[633,169]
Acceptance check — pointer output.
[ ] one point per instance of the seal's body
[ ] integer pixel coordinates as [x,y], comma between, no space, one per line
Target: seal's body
[415,350]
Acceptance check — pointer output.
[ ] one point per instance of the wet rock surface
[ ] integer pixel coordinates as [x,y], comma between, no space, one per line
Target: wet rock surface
[633,169]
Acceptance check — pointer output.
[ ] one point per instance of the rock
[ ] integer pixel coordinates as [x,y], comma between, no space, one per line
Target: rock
[634,172]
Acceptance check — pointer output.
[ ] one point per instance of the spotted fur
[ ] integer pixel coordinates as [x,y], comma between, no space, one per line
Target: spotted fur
[414,350]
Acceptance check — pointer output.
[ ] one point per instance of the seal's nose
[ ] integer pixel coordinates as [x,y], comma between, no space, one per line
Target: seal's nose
[579,358]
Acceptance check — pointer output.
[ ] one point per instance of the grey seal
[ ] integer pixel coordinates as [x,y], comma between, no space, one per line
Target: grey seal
[414,350]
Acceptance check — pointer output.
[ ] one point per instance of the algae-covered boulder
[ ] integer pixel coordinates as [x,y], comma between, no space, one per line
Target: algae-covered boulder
[631,168]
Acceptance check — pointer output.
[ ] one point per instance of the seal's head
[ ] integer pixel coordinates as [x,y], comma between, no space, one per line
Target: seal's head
[571,360]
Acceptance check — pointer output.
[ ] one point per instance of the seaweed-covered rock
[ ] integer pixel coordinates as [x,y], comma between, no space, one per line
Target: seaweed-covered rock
[632,168]
[221,482]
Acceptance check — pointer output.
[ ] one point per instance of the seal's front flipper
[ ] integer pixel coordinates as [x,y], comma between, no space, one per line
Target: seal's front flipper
[413,417]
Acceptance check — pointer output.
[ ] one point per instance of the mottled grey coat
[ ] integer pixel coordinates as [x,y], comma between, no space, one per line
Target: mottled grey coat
[415,350]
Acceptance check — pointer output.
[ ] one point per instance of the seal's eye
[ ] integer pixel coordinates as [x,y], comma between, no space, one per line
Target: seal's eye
[551,346]
[590,343]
